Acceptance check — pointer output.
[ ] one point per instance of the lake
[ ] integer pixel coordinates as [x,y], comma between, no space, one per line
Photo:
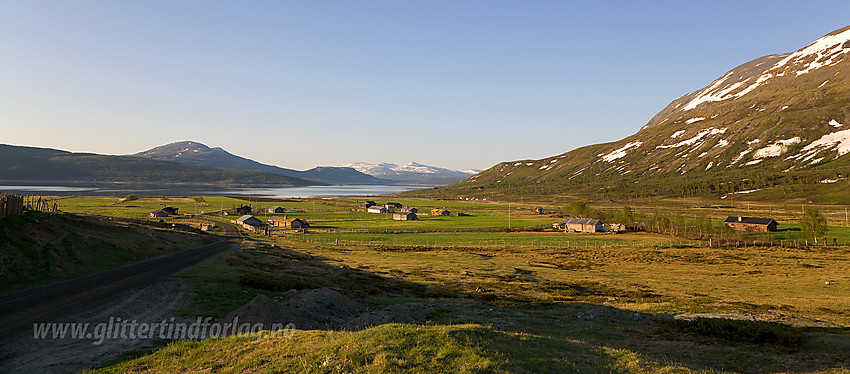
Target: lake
[182,190]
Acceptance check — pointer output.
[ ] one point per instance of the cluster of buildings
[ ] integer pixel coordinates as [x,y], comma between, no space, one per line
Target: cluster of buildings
[399,211]
[746,224]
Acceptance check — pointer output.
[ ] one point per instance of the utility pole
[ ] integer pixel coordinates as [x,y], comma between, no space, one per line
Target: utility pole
[509,215]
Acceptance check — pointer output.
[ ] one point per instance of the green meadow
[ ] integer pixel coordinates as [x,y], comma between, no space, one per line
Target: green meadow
[504,293]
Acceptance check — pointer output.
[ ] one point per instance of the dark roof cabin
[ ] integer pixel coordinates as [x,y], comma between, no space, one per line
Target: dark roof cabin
[170,210]
[246,209]
[391,205]
[368,204]
[405,216]
[298,223]
[409,209]
[751,224]
[276,209]
[159,213]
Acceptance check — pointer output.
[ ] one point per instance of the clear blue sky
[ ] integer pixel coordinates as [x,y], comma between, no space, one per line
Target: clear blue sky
[459,84]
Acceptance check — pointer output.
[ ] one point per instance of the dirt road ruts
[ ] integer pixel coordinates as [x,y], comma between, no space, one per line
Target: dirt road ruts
[50,303]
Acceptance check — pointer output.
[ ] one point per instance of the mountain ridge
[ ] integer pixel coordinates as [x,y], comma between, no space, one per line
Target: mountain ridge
[780,120]
[195,153]
[48,164]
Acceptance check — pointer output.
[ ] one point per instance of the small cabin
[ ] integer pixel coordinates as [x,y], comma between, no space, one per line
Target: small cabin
[159,213]
[207,226]
[170,210]
[276,209]
[440,212]
[243,210]
[298,223]
[377,209]
[408,216]
[580,225]
[409,209]
[391,205]
[278,221]
[368,204]
[249,221]
[752,224]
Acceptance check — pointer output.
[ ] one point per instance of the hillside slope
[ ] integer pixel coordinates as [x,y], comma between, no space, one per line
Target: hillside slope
[44,164]
[779,122]
[195,153]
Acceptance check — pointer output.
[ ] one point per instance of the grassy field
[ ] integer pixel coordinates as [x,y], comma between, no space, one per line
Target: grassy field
[526,301]
[510,310]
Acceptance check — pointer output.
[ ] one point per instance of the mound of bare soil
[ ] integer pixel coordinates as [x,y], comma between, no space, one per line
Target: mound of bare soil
[261,309]
[323,308]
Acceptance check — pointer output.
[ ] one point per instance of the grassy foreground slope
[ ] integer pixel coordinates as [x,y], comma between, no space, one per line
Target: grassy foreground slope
[392,348]
[39,248]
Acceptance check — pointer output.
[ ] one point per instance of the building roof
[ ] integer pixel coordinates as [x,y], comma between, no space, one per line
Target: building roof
[582,221]
[275,207]
[249,219]
[750,220]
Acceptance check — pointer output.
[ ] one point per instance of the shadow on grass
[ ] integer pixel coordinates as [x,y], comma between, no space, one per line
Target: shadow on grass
[510,334]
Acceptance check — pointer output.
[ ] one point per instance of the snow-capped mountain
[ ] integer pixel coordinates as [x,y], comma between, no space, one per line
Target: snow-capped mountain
[412,172]
[779,120]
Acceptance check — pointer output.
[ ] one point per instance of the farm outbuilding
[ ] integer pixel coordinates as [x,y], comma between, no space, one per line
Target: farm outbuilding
[580,225]
[159,213]
[440,212]
[377,209]
[276,209]
[298,223]
[405,216]
[246,209]
[752,224]
[249,221]
[391,205]
[409,209]
[170,210]
[368,204]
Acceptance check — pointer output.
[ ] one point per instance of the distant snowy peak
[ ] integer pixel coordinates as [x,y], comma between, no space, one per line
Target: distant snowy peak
[412,172]
[412,167]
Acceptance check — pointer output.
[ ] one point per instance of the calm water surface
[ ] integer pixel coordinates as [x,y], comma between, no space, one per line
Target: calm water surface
[280,192]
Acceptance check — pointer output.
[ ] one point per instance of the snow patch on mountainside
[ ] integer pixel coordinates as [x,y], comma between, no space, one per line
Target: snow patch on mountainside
[835,123]
[707,132]
[620,152]
[826,51]
[776,149]
[839,140]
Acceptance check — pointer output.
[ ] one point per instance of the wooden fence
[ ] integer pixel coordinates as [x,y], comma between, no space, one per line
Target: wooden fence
[17,204]
[11,205]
